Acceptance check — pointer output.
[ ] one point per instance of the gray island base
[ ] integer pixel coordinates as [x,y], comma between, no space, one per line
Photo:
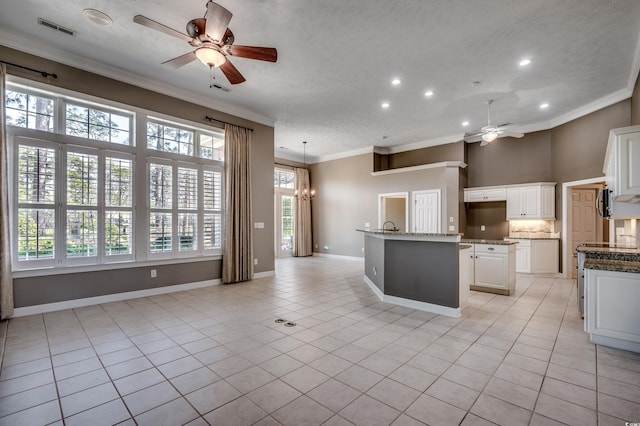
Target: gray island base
[419,271]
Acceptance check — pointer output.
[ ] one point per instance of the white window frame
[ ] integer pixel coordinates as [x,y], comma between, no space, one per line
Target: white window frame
[140,155]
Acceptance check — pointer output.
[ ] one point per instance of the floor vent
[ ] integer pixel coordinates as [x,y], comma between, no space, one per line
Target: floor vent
[56,27]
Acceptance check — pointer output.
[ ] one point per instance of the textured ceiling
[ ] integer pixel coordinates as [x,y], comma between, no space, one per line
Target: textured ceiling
[337,59]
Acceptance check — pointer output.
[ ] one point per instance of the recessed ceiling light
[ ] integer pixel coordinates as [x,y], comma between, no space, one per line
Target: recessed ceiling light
[385,105]
[465,123]
[97,17]
[524,62]
[429,93]
[395,81]
[544,106]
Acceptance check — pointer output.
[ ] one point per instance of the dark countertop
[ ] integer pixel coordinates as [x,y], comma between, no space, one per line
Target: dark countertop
[481,241]
[533,238]
[611,259]
[464,246]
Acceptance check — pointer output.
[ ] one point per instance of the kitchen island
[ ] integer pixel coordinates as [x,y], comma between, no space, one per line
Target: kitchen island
[612,296]
[419,271]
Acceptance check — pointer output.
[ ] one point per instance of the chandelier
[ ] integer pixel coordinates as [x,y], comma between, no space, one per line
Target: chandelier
[306,193]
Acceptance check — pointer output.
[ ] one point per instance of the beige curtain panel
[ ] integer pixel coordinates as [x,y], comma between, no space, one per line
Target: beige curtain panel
[302,223]
[6,278]
[237,254]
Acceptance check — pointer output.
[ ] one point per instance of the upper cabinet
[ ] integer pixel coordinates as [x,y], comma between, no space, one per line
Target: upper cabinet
[531,201]
[487,193]
[622,164]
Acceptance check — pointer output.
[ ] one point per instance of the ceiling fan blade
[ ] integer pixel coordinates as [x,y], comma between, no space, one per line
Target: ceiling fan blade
[143,20]
[232,73]
[181,60]
[217,21]
[484,143]
[268,54]
[507,133]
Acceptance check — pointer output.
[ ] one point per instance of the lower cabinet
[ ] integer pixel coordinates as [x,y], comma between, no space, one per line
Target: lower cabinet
[494,268]
[611,316]
[536,256]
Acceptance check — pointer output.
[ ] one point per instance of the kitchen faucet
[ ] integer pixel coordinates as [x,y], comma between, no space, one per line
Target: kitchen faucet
[394,229]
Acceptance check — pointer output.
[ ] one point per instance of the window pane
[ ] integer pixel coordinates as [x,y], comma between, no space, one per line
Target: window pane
[212,146]
[82,179]
[287,222]
[162,137]
[212,187]
[31,111]
[187,231]
[212,230]
[82,233]
[160,232]
[36,230]
[97,124]
[286,179]
[36,174]
[187,188]
[118,229]
[118,183]
[160,195]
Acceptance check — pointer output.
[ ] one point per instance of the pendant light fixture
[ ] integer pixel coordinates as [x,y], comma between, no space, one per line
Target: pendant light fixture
[306,193]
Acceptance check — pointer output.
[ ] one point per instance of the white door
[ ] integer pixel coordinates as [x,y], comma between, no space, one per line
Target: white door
[583,220]
[426,211]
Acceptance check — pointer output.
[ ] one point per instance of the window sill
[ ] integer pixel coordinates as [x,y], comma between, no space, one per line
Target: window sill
[39,272]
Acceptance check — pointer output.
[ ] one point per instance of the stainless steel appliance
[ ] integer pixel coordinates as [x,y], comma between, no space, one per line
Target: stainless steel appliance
[580,274]
[603,202]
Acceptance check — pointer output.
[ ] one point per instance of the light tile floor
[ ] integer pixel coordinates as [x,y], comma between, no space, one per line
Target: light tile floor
[216,356]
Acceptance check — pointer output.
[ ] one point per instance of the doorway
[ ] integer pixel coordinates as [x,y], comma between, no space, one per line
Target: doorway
[284,211]
[581,222]
[426,211]
[393,208]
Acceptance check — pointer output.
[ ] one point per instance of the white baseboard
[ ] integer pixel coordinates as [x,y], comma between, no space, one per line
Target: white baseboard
[265,274]
[116,297]
[338,256]
[413,304]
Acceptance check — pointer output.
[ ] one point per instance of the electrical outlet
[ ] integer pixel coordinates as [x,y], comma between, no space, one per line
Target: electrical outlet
[482,228]
[255,261]
[154,273]
[316,246]
[367,225]
[452,228]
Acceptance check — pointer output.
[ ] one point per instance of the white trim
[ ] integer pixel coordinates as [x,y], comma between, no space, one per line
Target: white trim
[116,297]
[566,193]
[459,164]
[337,256]
[413,304]
[438,192]
[443,140]
[265,274]
[341,155]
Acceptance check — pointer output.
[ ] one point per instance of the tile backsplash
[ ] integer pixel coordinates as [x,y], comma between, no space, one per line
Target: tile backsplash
[627,232]
[531,228]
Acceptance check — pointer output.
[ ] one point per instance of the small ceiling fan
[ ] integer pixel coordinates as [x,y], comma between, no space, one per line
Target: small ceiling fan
[213,41]
[489,133]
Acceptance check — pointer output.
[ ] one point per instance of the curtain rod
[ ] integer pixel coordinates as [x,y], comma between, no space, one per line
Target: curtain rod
[42,73]
[226,122]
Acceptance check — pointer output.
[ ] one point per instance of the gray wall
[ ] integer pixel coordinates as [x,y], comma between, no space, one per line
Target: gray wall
[261,161]
[347,198]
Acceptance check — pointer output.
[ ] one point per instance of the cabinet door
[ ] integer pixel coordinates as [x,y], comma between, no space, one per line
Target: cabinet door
[474,195]
[530,201]
[548,202]
[492,271]
[544,257]
[628,158]
[523,259]
[496,194]
[514,197]
[611,308]
[472,267]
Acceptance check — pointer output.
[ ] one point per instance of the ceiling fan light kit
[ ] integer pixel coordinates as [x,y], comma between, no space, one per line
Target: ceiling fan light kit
[213,41]
[490,132]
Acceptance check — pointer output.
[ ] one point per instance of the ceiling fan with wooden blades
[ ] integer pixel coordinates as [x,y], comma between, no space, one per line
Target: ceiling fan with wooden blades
[489,133]
[213,41]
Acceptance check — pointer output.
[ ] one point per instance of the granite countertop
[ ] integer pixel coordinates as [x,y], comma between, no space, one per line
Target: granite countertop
[611,259]
[464,246]
[417,234]
[481,241]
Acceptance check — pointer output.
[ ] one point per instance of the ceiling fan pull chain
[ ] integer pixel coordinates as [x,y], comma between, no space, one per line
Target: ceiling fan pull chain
[212,77]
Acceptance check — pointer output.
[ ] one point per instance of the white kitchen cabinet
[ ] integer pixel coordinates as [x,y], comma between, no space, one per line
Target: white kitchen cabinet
[485,194]
[465,269]
[544,256]
[622,163]
[534,201]
[495,268]
[612,317]
[536,256]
